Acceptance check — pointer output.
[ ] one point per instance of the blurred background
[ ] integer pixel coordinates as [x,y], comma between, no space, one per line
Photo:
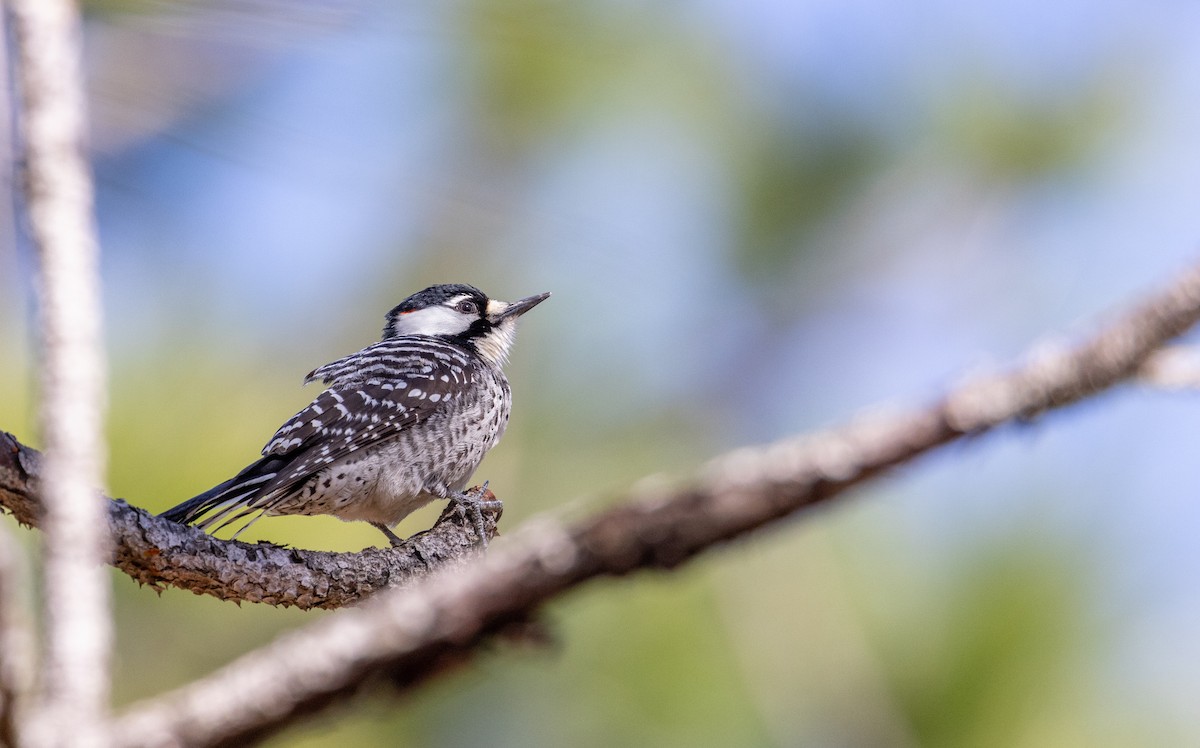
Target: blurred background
[758,218]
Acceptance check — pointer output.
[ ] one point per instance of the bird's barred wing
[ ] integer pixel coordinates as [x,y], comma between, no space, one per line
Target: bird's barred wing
[373,395]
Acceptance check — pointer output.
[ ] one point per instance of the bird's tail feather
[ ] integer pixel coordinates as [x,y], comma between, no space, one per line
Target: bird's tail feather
[239,496]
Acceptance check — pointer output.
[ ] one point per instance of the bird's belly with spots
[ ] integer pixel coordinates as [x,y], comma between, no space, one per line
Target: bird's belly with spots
[387,484]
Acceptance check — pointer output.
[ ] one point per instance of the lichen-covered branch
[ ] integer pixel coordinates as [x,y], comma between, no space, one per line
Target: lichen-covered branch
[405,637]
[159,553]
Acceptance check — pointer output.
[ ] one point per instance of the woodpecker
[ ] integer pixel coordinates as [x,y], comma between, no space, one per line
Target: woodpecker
[403,422]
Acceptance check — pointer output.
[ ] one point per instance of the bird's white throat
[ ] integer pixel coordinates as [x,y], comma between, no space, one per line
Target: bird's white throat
[494,346]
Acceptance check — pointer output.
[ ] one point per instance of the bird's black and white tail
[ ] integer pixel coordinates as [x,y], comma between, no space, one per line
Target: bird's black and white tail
[230,501]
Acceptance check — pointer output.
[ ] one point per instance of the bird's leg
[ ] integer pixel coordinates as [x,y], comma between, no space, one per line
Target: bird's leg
[391,536]
[472,503]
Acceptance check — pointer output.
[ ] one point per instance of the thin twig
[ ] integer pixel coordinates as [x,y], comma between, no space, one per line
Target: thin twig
[406,637]
[1176,367]
[73,705]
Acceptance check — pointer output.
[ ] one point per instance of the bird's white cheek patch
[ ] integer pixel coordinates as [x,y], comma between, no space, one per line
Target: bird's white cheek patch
[434,320]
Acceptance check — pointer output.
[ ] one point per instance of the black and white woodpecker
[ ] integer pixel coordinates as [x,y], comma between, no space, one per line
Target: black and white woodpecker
[403,422]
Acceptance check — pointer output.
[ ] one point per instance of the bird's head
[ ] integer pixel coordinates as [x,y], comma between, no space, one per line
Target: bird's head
[463,314]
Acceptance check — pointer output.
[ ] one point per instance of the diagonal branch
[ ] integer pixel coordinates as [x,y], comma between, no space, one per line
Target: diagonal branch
[159,553]
[405,637]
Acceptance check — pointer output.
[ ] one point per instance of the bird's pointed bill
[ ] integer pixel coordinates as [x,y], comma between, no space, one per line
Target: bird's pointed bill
[500,310]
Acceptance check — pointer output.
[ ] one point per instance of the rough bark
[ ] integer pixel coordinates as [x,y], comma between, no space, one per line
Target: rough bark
[160,553]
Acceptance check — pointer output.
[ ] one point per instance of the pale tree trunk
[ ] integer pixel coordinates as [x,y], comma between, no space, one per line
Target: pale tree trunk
[71,705]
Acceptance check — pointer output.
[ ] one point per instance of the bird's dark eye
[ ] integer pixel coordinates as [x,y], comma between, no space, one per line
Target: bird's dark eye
[466,306]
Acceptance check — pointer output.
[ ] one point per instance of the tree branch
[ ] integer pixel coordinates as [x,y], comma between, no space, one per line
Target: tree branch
[1175,367]
[405,637]
[159,553]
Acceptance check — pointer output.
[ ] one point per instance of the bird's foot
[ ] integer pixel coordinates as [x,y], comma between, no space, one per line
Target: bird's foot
[471,504]
[392,537]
